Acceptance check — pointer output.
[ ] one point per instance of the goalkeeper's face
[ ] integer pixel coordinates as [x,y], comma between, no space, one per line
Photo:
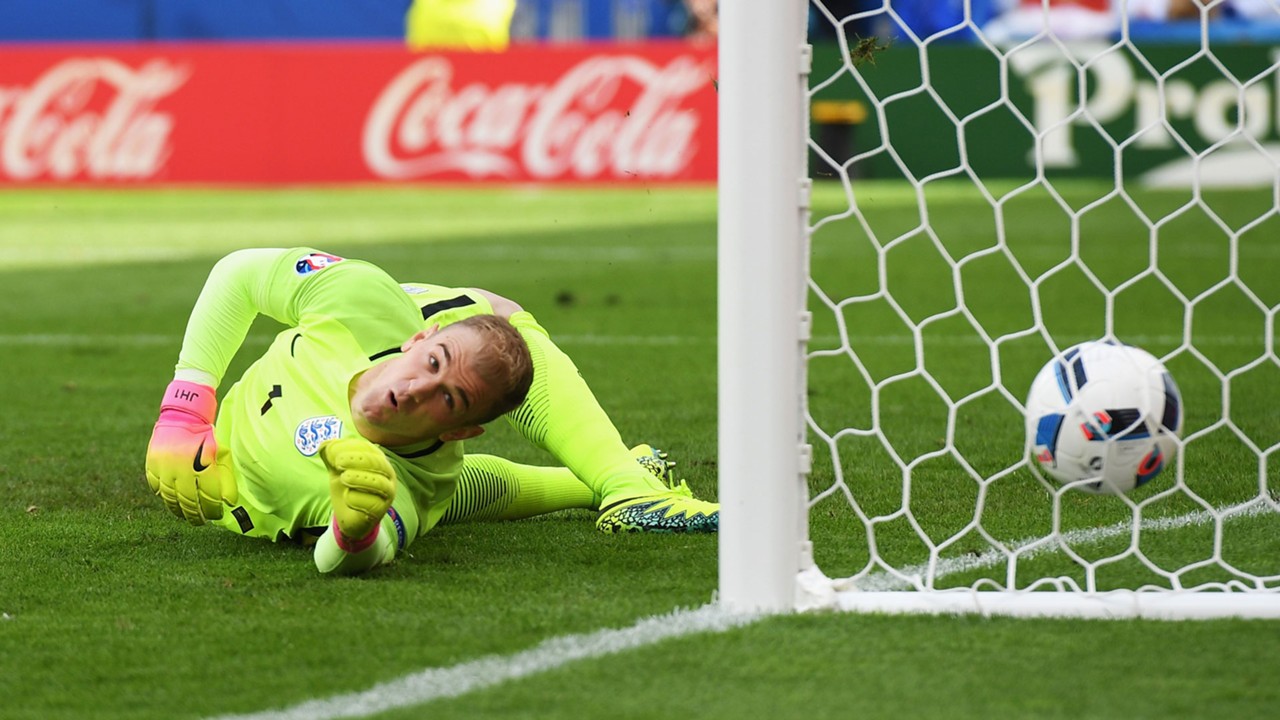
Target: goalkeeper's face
[429,391]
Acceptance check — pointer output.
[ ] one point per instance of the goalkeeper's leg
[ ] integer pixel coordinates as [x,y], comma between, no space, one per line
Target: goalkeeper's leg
[494,488]
[562,416]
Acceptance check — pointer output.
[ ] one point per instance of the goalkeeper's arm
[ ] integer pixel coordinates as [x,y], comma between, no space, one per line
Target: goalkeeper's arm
[241,286]
[182,464]
[288,285]
[333,556]
[281,284]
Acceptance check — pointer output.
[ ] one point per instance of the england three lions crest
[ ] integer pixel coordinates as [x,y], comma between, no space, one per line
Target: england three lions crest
[313,431]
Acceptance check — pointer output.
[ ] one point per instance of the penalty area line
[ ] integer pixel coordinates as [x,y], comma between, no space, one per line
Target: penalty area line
[438,683]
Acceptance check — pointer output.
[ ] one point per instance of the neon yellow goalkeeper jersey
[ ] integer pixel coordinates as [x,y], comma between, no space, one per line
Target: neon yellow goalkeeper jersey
[344,317]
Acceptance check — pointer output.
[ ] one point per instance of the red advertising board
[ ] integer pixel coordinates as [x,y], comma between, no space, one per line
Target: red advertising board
[302,113]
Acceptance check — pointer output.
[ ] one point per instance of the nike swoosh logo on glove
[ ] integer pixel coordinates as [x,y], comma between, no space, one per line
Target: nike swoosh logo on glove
[196,464]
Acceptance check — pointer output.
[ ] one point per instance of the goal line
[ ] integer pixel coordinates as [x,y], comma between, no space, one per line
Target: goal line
[433,684]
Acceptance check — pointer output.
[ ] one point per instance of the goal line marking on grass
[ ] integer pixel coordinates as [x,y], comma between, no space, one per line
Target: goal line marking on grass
[1031,547]
[439,683]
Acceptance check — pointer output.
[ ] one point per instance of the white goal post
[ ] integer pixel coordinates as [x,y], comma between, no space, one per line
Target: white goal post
[780,321]
[761,270]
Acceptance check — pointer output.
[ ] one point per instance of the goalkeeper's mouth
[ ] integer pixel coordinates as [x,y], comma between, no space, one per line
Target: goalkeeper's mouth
[382,411]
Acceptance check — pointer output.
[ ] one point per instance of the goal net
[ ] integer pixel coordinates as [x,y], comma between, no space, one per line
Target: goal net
[960,201]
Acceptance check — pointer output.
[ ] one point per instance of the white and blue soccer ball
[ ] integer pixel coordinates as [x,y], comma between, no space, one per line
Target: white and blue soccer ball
[1104,417]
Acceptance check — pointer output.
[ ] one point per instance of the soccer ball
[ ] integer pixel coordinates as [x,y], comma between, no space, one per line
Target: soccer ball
[1104,416]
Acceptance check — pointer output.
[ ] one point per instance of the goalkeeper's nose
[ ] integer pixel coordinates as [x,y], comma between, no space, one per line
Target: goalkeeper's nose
[423,390]
[410,398]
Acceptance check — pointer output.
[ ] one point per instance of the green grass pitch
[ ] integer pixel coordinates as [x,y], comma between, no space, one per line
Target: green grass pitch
[110,608]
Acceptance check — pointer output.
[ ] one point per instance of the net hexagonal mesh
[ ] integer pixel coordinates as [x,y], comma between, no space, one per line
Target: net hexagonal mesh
[986,195]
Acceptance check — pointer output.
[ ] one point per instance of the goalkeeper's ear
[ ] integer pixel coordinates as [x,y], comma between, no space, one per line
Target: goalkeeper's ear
[465,433]
[418,337]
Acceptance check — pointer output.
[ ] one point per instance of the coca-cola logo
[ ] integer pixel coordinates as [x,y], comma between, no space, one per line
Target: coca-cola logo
[610,115]
[88,117]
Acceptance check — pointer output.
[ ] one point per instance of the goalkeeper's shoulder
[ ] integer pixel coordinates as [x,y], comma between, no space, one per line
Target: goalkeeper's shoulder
[504,307]
[499,305]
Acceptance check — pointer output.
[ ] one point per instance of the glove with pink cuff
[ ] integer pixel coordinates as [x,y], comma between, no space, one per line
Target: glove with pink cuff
[182,463]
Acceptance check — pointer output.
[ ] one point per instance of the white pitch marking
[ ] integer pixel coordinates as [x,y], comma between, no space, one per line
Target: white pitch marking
[438,683]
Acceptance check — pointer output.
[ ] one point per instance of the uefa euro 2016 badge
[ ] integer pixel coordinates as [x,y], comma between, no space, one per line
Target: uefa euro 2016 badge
[313,431]
[315,262]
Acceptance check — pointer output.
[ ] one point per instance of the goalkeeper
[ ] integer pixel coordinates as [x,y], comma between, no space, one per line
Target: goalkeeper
[348,431]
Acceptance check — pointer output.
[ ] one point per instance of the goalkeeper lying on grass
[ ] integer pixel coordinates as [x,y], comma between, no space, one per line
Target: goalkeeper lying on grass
[348,431]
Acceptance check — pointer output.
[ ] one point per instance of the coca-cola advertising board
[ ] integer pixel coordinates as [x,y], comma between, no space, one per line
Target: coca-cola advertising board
[301,113]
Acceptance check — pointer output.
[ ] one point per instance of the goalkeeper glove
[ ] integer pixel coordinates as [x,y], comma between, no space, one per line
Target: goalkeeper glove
[362,485]
[182,463]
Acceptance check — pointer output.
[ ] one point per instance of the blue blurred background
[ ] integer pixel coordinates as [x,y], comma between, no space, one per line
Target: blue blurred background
[535,20]
[135,20]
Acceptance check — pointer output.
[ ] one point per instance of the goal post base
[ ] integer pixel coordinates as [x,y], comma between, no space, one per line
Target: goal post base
[1118,604]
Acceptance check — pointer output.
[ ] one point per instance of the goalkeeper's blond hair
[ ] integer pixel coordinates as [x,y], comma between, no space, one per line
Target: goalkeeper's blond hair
[503,362]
